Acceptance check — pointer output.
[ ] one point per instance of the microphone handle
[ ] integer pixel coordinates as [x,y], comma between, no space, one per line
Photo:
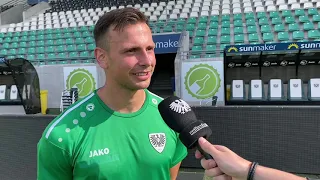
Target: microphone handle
[205,155]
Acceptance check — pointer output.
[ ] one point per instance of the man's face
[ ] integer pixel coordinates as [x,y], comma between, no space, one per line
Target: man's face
[130,59]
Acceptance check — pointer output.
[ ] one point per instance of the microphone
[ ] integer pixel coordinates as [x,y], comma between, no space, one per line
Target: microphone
[179,116]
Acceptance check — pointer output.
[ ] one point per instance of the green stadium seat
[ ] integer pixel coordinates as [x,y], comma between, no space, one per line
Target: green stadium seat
[304,19]
[316,18]
[73,55]
[3,52]
[21,56]
[32,38]
[298,35]
[312,11]
[81,47]
[24,33]
[200,33]
[308,26]
[252,29]
[84,54]
[267,37]
[196,49]
[40,50]
[211,48]
[203,19]
[263,21]
[60,48]
[91,46]
[40,43]
[313,34]
[253,37]
[10,57]
[225,17]
[57,31]
[23,44]
[261,15]
[41,56]
[225,24]
[192,20]
[225,31]
[289,20]
[274,14]
[5,45]
[251,22]
[276,21]
[283,36]
[198,40]
[212,32]
[237,16]
[9,34]
[14,45]
[212,40]
[299,12]
[213,25]
[202,26]
[168,29]
[293,27]
[32,44]
[48,31]
[239,38]
[89,40]
[7,40]
[87,61]
[286,13]
[32,33]
[31,57]
[265,29]
[58,36]
[15,39]
[31,50]
[179,28]
[238,23]
[249,15]
[190,27]
[12,52]
[69,41]
[40,37]
[40,32]
[238,30]
[49,42]
[194,56]
[62,55]
[225,39]
[51,56]
[279,28]
[2,35]
[24,39]
[59,42]
[83,28]
[22,51]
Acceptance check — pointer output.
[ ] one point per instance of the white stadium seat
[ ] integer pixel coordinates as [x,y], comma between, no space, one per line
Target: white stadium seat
[314,89]
[295,90]
[237,90]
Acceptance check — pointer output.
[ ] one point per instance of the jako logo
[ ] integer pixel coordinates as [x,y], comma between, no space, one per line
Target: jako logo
[180,106]
[99,152]
[167,44]
[198,128]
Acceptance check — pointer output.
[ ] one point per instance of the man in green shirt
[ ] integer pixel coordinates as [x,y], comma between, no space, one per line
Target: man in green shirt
[117,132]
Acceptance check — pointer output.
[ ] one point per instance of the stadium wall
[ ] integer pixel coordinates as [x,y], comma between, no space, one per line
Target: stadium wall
[12,15]
[34,10]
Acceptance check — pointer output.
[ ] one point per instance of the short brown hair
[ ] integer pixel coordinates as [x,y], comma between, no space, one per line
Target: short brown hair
[119,18]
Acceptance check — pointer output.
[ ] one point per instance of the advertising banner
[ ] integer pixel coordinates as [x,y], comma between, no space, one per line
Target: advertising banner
[84,78]
[273,47]
[166,43]
[203,82]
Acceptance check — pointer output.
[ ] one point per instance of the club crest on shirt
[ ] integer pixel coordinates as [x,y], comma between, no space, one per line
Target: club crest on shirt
[158,141]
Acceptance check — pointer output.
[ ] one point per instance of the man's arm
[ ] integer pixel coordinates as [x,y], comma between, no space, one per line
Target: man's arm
[265,173]
[174,171]
[53,162]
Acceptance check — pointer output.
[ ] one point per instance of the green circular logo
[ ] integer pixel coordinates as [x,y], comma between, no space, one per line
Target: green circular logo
[83,80]
[202,81]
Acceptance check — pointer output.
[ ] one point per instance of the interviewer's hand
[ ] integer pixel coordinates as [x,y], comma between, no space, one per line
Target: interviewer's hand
[225,161]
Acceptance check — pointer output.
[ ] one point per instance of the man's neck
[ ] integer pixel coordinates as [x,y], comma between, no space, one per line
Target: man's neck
[121,99]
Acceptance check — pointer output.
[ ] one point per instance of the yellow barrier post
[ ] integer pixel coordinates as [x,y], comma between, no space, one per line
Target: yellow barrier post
[44,101]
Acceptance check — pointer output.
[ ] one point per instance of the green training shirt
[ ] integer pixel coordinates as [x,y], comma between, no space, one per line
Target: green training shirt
[89,141]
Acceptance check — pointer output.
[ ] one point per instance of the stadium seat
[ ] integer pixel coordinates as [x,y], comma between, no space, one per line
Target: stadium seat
[295,90]
[314,89]
[3,92]
[256,90]
[275,90]
[237,90]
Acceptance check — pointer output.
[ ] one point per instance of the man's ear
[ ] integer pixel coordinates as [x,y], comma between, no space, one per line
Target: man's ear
[101,57]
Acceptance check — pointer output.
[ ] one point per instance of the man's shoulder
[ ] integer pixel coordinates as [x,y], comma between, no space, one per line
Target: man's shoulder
[65,127]
[155,99]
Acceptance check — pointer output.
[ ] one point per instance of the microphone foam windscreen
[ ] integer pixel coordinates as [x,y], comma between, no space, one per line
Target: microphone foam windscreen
[176,113]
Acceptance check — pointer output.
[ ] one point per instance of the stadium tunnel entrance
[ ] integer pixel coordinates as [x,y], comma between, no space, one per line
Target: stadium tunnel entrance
[163,76]
[19,87]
